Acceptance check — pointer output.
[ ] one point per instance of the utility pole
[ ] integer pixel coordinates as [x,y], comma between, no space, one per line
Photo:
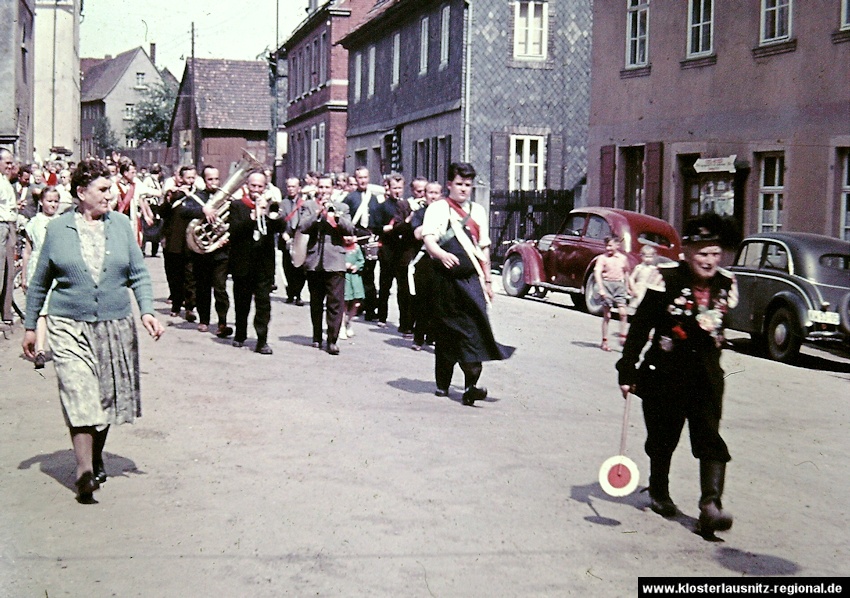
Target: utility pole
[193,107]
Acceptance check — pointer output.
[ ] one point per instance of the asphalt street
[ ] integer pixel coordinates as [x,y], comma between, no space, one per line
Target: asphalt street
[302,473]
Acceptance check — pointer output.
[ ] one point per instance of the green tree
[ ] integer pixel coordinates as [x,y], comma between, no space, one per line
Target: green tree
[105,139]
[153,114]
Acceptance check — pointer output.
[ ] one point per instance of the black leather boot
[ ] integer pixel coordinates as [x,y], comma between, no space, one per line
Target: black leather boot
[659,493]
[712,517]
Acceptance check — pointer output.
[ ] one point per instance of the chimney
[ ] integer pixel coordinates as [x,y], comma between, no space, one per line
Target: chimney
[153,53]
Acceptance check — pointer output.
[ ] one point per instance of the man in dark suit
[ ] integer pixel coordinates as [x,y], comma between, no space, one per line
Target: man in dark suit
[361,204]
[252,245]
[290,209]
[210,268]
[326,222]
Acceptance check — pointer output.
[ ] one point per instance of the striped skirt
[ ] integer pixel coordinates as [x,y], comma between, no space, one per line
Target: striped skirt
[97,365]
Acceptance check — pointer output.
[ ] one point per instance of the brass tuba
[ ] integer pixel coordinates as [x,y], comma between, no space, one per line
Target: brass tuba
[204,237]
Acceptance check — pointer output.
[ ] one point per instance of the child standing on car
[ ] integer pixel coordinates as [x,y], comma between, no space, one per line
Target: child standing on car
[611,273]
[645,273]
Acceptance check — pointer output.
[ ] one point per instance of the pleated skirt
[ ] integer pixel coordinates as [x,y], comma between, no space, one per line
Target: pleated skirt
[97,365]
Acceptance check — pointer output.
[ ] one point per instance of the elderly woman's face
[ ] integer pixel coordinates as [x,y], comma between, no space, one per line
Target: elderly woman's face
[94,198]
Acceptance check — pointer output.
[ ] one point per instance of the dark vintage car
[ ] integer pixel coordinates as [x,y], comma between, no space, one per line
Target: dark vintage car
[564,261]
[793,287]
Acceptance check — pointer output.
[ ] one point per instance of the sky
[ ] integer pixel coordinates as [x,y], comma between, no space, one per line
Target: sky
[223,28]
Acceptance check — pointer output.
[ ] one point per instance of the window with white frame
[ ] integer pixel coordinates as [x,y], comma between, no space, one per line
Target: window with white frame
[527,163]
[445,15]
[129,111]
[323,59]
[845,197]
[771,192]
[140,79]
[701,28]
[314,76]
[320,149]
[775,20]
[845,14]
[396,70]
[314,148]
[308,68]
[637,33]
[130,143]
[370,84]
[358,75]
[423,45]
[531,25]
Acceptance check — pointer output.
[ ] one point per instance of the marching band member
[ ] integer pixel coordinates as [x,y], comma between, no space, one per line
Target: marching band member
[129,196]
[254,220]
[327,223]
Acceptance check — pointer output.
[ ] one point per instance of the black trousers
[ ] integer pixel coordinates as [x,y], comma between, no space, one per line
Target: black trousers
[175,274]
[370,303]
[423,300]
[258,287]
[394,267]
[211,277]
[295,277]
[326,287]
[701,405]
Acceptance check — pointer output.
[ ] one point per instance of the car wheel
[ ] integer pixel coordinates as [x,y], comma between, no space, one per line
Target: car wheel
[592,301]
[844,310]
[783,336]
[513,277]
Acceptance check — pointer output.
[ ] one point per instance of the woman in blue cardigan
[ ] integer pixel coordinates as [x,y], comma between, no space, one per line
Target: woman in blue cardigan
[90,257]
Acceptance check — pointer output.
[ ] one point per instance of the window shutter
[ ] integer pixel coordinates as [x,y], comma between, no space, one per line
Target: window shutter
[653,163]
[499,161]
[606,175]
[554,162]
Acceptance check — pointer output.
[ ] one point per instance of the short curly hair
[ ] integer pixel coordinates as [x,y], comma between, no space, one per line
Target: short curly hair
[85,172]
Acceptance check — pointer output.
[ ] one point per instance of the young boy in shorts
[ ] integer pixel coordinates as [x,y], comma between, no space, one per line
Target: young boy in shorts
[612,273]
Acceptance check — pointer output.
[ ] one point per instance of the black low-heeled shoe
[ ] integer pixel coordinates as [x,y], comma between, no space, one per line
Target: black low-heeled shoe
[86,485]
[40,360]
[473,394]
[99,472]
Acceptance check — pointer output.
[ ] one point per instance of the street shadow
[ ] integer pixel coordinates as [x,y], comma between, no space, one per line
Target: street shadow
[412,386]
[299,339]
[615,346]
[752,564]
[805,361]
[61,466]
[399,341]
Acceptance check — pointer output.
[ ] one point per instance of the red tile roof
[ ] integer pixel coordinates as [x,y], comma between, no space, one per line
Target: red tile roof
[232,94]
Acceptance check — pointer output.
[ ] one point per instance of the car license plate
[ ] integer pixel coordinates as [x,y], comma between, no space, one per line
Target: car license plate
[824,317]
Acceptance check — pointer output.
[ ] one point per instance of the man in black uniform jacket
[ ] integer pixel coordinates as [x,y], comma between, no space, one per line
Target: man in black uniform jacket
[252,244]
[361,203]
[680,377]
[211,268]
[392,220]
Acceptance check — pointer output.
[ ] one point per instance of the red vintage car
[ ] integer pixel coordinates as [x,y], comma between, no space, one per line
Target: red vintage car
[564,262]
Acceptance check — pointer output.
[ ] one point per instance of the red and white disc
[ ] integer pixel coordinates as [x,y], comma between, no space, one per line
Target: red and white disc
[618,476]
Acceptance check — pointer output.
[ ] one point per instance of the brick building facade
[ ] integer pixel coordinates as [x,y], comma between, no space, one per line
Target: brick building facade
[314,72]
[742,108]
[502,84]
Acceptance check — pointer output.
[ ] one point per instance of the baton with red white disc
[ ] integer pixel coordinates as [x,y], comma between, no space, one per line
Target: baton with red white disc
[619,475]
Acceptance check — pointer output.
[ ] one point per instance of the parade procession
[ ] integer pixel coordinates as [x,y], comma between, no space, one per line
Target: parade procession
[269,260]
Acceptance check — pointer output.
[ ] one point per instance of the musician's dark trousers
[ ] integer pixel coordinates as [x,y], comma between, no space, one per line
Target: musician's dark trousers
[370,303]
[175,273]
[295,277]
[423,301]
[257,287]
[330,285]
[211,276]
[394,266]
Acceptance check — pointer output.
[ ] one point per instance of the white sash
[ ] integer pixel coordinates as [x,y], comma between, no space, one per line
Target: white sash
[362,213]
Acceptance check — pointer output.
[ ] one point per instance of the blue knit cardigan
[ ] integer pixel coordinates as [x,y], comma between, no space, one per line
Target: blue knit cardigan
[76,295]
